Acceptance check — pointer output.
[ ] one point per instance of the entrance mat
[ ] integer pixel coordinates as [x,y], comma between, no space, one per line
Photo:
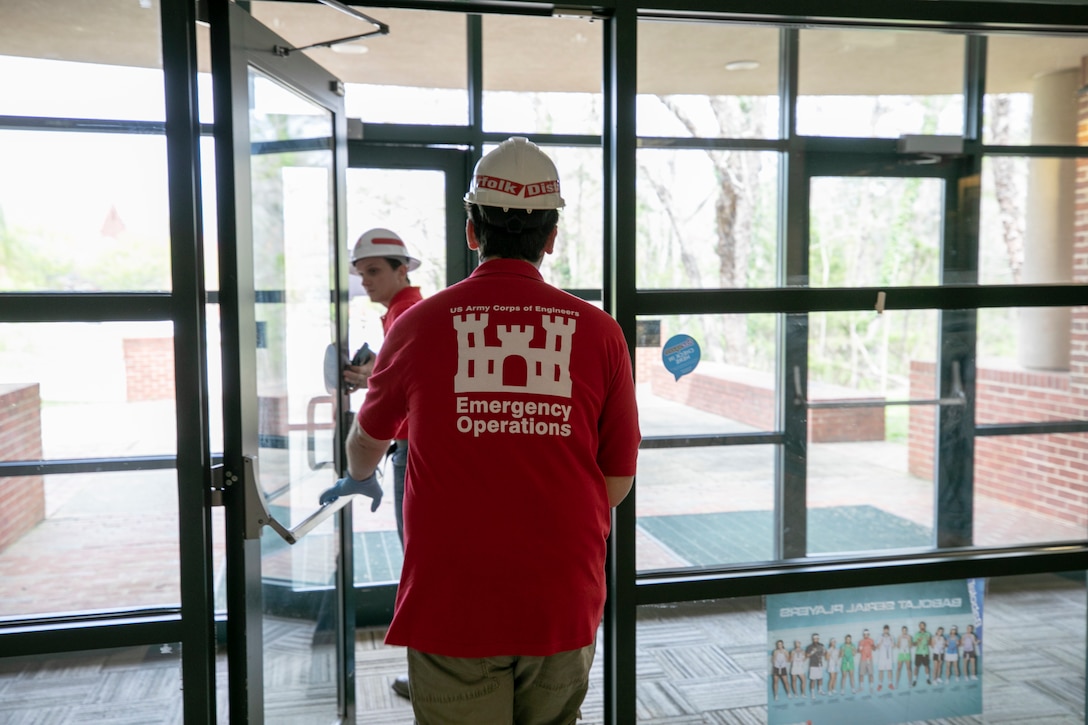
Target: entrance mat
[745,536]
[378,556]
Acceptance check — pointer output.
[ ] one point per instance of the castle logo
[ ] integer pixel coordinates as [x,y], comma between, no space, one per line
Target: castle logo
[512,366]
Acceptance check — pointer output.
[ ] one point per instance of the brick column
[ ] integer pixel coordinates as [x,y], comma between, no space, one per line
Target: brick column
[22,499]
[1078,353]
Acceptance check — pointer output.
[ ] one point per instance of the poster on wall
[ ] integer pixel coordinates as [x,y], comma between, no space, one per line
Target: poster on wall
[877,655]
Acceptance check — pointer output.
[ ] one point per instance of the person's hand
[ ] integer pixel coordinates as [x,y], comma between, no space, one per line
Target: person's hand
[347,486]
[356,376]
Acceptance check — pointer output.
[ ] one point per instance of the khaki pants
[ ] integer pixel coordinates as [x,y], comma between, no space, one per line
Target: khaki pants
[499,690]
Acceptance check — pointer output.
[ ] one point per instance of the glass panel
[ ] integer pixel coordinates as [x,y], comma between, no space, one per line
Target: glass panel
[526,90]
[707,80]
[1028,226]
[579,247]
[868,487]
[707,219]
[880,83]
[88,541]
[123,685]
[1031,89]
[874,231]
[113,229]
[732,388]
[712,661]
[1030,368]
[415,74]
[294,239]
[89,61]
[411,202]
[576,261]
[705,506]
[121,402]
[209,213]
[80,90]
[1029,489]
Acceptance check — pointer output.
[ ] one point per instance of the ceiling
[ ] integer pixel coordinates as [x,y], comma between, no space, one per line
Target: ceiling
[427,48]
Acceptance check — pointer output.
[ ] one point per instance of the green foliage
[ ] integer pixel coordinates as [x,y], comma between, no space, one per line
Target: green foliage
[38,260]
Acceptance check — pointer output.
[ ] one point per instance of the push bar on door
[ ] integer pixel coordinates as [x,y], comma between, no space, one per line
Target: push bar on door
[957,396]
[258,513]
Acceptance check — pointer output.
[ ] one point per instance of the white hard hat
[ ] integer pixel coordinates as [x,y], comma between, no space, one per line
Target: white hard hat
[380,242]
[516,175]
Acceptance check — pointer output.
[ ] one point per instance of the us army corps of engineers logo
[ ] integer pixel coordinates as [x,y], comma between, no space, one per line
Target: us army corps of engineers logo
[513,366]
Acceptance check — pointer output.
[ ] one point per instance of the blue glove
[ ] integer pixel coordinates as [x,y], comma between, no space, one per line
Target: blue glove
[347,485]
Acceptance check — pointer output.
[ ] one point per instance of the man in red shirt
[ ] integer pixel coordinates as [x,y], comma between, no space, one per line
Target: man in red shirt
[524,432]
[380,257]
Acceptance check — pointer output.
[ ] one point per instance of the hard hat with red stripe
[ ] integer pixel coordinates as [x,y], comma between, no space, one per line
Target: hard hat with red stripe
[380,242]
[516,175]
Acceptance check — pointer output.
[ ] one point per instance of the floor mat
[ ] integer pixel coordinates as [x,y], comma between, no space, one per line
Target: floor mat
[743,536]
[378,556]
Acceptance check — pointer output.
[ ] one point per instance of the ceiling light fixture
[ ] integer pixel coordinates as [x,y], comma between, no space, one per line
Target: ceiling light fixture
[350,49]
[742,65]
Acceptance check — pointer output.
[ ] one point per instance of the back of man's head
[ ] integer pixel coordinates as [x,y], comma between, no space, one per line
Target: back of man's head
[513,201]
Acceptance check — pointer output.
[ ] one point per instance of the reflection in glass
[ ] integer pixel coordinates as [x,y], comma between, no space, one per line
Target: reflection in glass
[707,80]
[1031,88]
[874,231]
[880,83]
[526,90]
[706,219]
[99,222]
[293,238]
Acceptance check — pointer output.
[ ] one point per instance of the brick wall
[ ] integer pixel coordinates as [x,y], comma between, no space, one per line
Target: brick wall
[22,499]
[149,368]
[1043,473]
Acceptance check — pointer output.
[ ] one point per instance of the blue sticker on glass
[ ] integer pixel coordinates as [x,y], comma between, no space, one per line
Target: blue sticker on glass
[680,355]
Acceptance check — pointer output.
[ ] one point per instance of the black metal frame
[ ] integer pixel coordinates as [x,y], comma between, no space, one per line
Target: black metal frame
[194,623]
[238,44]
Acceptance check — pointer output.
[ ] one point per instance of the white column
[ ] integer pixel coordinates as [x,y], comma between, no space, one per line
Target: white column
[1048,241]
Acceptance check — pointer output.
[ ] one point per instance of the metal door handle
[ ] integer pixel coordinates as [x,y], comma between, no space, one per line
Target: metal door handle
[311,426]
[258,513]
[957,397]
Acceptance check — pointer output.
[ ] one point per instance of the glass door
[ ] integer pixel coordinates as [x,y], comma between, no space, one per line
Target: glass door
[867,382]
[281,157]
[417,193]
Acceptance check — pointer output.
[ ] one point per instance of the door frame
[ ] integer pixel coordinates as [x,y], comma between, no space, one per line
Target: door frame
[374,602]
[239,42]
[455,163]
[954,452]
